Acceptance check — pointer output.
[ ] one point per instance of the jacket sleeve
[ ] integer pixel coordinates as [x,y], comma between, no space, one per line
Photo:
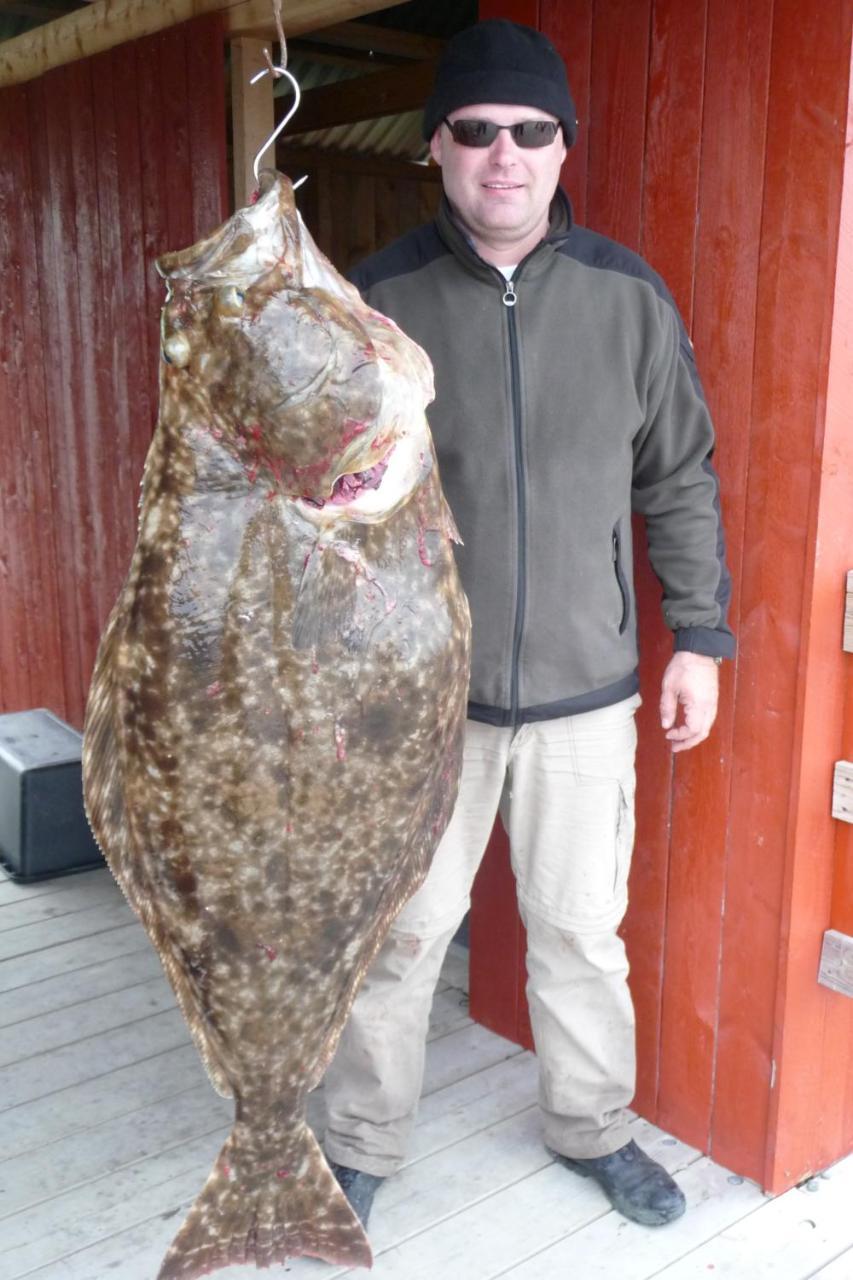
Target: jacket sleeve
[675,487]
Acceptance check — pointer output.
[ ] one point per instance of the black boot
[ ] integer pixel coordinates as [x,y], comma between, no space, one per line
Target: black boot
[359,1188]
[637,1186]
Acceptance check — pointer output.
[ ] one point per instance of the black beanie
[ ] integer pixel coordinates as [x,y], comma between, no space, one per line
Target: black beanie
[504,62]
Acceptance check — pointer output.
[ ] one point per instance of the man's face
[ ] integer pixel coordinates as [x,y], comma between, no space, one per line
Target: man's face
[502,192]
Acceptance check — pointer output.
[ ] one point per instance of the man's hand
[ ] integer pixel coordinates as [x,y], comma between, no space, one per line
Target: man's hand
[692,680]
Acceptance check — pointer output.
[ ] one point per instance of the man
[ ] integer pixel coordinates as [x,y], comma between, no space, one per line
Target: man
[566,394]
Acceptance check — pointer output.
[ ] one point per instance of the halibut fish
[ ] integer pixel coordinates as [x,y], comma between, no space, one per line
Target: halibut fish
[274,728]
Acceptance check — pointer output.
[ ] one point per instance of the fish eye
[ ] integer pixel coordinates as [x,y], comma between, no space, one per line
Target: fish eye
[229,300]
[176,350]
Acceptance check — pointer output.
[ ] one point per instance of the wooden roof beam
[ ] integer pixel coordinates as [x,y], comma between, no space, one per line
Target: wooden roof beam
[107,23]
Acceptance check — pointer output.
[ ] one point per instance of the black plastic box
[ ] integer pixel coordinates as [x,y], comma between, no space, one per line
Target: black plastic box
[43,827]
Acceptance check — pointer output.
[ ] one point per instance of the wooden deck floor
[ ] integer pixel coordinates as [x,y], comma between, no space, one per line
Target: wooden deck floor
[109,1127]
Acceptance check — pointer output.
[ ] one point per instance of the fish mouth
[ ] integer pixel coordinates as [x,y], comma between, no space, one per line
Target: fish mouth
[372,494]
[350,486]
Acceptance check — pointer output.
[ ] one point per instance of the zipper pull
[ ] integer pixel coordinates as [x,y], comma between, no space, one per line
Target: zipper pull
[510,297]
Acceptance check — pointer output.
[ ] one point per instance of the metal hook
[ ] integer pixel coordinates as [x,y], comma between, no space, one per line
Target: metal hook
[277,71]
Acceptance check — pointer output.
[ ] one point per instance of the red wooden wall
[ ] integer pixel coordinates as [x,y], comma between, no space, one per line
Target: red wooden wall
[106,163]
[712,140]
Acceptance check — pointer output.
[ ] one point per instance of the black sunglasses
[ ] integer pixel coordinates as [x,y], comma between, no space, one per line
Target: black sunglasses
[482,133]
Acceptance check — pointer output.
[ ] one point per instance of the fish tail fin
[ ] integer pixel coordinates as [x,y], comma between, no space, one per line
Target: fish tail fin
[259,1210]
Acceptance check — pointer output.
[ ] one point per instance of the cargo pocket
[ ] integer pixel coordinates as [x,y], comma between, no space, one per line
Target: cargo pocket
[574,875]
[621,580]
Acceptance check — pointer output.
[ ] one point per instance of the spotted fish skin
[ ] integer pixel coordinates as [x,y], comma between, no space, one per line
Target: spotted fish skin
[274,728]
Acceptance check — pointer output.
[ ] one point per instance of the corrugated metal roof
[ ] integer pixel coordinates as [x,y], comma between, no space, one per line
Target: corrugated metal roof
[397,136]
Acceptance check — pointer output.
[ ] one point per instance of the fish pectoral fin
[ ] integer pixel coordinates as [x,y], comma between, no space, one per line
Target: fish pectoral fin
[329,608]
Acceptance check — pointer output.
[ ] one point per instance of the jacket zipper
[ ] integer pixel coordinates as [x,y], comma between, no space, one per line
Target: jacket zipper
[509,299]
[621,580]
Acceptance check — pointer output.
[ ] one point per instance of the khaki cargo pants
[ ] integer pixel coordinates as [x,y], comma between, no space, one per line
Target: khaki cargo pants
[565,791]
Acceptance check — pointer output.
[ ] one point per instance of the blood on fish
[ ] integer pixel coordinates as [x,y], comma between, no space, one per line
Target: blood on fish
[352,428]
[213,690]
[422,547]
[340,742]
[271,952]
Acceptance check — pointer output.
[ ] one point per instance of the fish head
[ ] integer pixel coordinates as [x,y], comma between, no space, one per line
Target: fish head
[307,384]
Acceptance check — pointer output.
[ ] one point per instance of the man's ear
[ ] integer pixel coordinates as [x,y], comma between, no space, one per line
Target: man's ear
[435,145]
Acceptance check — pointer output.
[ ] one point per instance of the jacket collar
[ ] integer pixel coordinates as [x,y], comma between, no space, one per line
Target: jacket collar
[453,234]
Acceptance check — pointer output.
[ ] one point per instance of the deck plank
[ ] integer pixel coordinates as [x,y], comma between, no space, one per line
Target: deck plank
[841,1268]
[15,891]
[77,896]
[84,1021]
[66,989]
[70,956]
[41,1175]
[785,1239]
[45,934]
[96,1101]
[98,1055]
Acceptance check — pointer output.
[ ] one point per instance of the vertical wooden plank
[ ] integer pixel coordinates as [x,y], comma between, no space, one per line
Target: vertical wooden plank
[113,433]
[730,203]
[89,427]
[17,688]
[617,115]
[673,142]
[525,11]
[153,150]
[252,114]
[362,220]
[794,285]
[497,947]
[51,104]
[175,159]
[429,197]
[387,218]
[672,934]
[139,379]
[325,210]
[617,124]
[206,111]
[661,910]
[40,584]
[568,23]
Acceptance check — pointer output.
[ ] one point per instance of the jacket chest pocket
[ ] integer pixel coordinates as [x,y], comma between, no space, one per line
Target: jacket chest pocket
[621,580]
